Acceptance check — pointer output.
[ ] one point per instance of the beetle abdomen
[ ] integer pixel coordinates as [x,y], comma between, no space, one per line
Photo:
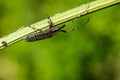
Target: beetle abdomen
[38,36]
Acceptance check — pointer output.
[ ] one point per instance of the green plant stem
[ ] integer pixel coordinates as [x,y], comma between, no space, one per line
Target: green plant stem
[57,19]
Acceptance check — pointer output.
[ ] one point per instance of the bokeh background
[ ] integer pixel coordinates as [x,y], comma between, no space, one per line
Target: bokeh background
[91,53]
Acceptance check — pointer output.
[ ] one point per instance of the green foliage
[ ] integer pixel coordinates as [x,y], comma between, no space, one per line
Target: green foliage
[91,53]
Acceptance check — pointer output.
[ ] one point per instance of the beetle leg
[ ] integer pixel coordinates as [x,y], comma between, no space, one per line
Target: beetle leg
[50,22]
[35,28]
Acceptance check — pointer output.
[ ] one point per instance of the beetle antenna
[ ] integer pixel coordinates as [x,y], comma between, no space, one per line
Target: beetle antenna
[78,27]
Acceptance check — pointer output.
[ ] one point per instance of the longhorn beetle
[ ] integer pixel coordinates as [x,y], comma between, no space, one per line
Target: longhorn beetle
[44,34]
[49,32]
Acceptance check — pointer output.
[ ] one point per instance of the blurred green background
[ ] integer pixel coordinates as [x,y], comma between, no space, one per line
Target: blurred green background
[92,53]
